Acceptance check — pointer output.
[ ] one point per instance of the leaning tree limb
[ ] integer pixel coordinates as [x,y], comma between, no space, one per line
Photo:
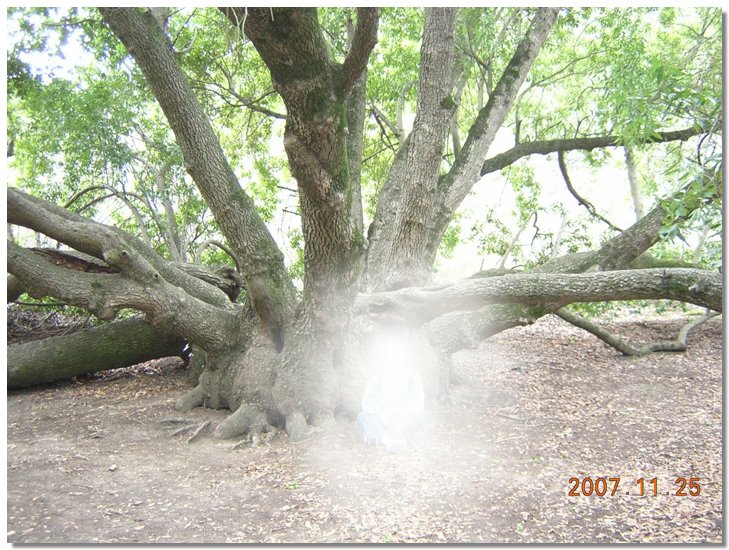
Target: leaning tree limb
[454,186]
[138,286]
[420,305]
[108,346]
[466,171]
[624,347]
[98,240]
[620,252]
[272,292]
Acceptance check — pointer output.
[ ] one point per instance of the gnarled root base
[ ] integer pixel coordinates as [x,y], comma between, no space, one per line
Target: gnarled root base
[302,389]
[296,426]
[247,419]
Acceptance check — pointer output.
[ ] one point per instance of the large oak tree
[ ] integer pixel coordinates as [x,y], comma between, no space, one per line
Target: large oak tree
[288,358]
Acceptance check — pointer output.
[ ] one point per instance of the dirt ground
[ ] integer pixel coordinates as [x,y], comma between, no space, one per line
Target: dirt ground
[95,461]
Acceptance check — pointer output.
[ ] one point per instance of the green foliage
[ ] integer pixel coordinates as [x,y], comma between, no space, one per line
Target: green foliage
[80,114]
[92,121]
[451,238]
[296,269]
[625,71]
[526,189]
[492,235]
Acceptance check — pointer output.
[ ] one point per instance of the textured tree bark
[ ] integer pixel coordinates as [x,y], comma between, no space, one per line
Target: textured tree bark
[404,240]
[15,288]
[109,346]
[316,92]
[401,225]
[356,108]
[222,276]
[267,281]
[419,305]
[170,297]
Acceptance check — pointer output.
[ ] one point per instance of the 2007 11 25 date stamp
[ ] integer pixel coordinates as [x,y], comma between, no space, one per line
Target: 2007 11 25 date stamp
[611,486]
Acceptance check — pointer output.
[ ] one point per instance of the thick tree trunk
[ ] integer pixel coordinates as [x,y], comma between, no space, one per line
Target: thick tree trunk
[404,240]
[109,346]
[321,367]
[316,93]
[401,226]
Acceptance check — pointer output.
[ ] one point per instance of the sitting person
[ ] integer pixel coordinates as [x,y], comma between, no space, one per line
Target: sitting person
[392,406]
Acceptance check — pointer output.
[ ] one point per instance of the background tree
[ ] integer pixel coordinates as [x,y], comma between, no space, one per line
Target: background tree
[401,144]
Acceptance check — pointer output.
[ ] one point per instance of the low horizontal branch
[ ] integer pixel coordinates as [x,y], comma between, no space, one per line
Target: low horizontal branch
[626,348]
[166,305]
[108,346]
[419,305]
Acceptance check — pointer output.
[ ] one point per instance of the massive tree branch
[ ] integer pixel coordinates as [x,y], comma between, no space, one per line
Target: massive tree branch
[545,147]
[245,231]
[620,252]
[356,114]
[466,170]
[289,40]
[291,43]
[419,305]
[222,276]
[109,346]
[362,43]
[15,288]
[400,227]
[94,239]
[138,286]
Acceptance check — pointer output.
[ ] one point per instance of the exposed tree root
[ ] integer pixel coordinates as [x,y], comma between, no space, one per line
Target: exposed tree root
[679,344]
[193,398]
[182,430]
[297,427]
[196,434]
[246,419]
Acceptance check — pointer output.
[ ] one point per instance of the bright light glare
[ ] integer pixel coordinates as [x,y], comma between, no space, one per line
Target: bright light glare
[391,350]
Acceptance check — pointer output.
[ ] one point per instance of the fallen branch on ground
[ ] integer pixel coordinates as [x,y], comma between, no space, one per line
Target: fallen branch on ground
[679,344]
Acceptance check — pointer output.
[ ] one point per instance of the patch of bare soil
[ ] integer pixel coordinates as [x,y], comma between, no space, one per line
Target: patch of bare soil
[95,461]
